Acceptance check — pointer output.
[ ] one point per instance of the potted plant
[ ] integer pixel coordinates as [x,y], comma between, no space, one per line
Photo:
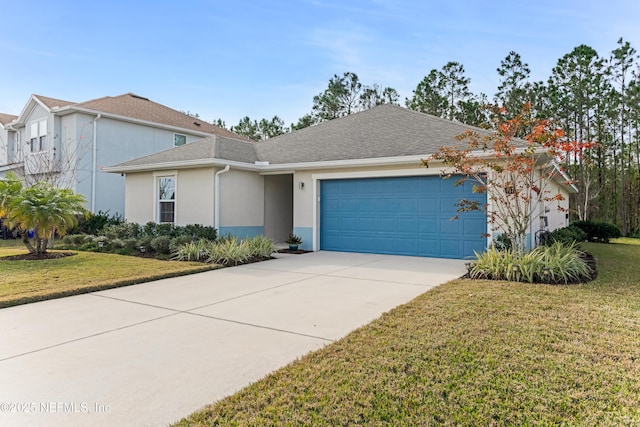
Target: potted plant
[293,241]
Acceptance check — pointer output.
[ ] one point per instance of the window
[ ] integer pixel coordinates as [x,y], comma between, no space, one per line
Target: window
[179,140]
[166,199]
[38,141]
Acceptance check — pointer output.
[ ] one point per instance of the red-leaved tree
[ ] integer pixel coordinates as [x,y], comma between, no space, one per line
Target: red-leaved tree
[517,175]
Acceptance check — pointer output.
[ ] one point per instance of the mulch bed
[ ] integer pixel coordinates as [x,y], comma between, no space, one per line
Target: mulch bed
[37,257]
[298,252]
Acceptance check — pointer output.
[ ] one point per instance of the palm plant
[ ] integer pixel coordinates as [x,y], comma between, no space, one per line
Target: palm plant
[44,209]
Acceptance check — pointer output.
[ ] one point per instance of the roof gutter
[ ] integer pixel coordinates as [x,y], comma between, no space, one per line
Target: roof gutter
[216,196]
[264,168]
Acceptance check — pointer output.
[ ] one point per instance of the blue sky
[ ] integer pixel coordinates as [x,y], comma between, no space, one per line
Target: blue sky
[236,58]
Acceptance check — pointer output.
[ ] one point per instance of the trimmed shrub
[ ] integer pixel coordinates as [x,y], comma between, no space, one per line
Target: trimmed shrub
[567,235]
[598,231]
[124,230]
[131,246]
[116,243]
[198,231]
[146,242]
[161,244]
[94,223]
[178,242]
[73,239]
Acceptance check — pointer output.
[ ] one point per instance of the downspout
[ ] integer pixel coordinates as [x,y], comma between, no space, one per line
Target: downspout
[94,170]
[216,197]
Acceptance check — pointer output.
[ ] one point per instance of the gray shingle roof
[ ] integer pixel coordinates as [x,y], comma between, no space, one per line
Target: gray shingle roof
[7,118]
[138,107]
[53,102]
[213,147]
[383,131]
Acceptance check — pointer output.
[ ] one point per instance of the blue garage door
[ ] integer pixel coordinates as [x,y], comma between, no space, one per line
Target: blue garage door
[401,216]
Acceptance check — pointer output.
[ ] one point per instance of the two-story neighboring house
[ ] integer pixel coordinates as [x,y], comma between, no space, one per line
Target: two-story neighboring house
[7,139]
[68,143]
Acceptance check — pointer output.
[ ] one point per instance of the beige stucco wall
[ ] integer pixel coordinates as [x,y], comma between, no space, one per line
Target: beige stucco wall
[558,217]
[241,199]
[139,197]
[194,194]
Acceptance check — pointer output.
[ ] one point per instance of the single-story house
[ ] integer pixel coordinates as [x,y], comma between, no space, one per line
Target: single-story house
[349,184]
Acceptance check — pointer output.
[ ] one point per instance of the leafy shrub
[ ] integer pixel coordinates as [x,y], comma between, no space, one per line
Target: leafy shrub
[94,223]
[261,246]
[99,239]
[124,251]
[161,244]
[123,230]
[179,241]
[88,238]
[198,231]
[598,231]
[73,239]
[502,242]
[229,252]
[116,243]
[88,247]
[193,251]
[150,229]
[567,235]
[556,263]
[131,245]
[146,242]
[166,230]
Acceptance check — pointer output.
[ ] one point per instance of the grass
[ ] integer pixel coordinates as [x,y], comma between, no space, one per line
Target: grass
[23,282]
[470,353]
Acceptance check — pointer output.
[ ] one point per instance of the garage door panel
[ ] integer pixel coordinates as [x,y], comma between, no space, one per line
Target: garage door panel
[348,224]
[387,225]
[447,226]
[368,205]
[473,226]
[407,225]
[450,248]
[407,206]
[428,225]
[403,215]
[387,205]
[368,224]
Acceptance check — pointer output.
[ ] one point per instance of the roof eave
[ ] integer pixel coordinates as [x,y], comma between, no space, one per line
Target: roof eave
[181,164]
[70,109]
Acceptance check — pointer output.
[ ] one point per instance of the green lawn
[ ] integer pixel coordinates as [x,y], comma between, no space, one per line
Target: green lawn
[28,281]
[471,353]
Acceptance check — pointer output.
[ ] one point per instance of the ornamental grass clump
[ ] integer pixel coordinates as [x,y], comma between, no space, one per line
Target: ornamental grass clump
[229,252]
[261,246]
[556,263]
[193,251]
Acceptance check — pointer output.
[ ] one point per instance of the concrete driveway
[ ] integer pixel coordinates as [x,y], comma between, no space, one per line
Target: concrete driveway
[150,354]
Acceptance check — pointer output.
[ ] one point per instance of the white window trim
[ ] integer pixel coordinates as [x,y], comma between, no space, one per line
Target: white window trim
[174,139]
[40,131]
[156,200]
